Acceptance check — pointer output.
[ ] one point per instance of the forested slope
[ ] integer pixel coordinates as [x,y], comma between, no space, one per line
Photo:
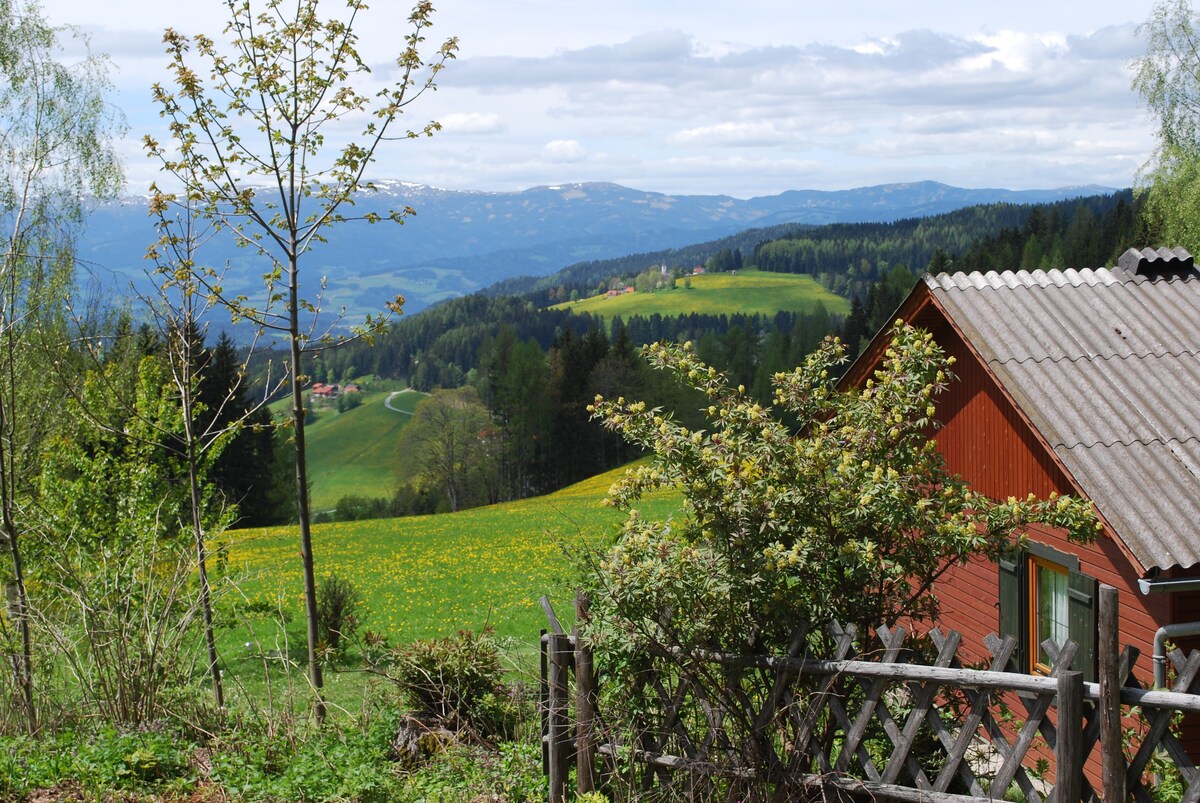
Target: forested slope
[529,372]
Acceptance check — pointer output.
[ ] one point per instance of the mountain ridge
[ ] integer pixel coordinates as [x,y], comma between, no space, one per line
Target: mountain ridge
[460,241]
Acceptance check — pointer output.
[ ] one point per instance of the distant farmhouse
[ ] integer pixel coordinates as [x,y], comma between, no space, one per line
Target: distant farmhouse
[322,391]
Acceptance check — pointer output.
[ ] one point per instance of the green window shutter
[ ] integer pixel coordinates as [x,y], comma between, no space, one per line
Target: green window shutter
[1012,605]
[1081,621]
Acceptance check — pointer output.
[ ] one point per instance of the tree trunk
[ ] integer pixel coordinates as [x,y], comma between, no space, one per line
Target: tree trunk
[18,599]
[302,510]
[210,642]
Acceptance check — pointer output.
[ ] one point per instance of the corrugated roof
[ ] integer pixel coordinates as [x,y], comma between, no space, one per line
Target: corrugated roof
[1106,364]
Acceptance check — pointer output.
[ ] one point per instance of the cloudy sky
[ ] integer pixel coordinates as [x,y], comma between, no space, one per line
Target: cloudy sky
[708,97]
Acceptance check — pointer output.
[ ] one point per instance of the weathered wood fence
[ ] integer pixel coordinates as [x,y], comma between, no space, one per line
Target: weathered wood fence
[899,743]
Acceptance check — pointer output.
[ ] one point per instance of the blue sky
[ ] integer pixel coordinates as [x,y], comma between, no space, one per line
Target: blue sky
[705,97]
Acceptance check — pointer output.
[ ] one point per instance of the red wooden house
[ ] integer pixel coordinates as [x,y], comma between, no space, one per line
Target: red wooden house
[1085,383]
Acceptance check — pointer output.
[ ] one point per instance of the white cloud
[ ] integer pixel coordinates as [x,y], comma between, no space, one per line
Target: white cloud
[472,123]
[689,98]
[565,151]
[727,134]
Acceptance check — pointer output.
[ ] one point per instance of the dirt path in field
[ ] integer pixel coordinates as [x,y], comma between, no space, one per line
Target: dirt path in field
[388,401]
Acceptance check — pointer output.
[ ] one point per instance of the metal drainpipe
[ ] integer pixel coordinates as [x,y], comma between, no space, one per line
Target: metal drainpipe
[1160,647]
[1150,585]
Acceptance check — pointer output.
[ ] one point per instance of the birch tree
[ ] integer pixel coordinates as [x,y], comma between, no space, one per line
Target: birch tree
[55,154]
[255,127]
[1167,76]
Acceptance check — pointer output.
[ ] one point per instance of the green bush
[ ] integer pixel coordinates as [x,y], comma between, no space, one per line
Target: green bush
[457,682]
[340,610]
[100,762]
[358,508]
[349,763]
[348,401]
[850,516]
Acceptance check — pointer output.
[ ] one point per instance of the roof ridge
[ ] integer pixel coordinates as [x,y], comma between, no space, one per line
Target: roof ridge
[1046,277]
[1022,277]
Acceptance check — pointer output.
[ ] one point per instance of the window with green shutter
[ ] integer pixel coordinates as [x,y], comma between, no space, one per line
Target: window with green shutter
[1044,595]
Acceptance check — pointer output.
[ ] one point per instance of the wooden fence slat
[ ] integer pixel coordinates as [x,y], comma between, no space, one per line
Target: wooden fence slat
[1068,752]
[1112,759]
[555,626]
[544,700]
[560,653]
[892,641]
[1160,721]
[1036,721]
[980,702]
[743,718]
[922,699]
[585,704]
[1193,793]
[672,704]
[806,724]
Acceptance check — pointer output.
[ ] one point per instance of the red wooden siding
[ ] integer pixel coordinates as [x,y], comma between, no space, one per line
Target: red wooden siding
[988,443]
[984,439]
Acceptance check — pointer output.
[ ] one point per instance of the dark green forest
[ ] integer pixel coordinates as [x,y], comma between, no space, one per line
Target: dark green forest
[847,257]
[535,369]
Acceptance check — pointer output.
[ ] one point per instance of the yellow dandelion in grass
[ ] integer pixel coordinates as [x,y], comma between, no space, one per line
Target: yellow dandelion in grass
[432,575]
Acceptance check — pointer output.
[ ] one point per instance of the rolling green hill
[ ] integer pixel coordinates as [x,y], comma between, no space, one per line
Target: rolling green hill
[354,453]
[428,576]
[748,291]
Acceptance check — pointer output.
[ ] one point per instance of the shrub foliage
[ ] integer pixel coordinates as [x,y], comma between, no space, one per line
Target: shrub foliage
[851,516]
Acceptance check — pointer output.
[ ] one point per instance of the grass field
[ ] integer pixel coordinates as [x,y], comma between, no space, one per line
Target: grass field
[747,291]
[355,452]
[429,576]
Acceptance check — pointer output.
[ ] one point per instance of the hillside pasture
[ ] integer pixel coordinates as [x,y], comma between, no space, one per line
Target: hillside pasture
[354,453]
[747,291]
[428,576]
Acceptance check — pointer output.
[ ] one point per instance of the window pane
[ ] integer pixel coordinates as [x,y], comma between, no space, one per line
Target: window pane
[1051,609]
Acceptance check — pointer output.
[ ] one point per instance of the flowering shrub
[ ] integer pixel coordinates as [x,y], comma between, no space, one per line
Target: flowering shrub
[852,516]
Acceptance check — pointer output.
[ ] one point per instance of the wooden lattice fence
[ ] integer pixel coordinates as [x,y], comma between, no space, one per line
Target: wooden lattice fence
[867,721]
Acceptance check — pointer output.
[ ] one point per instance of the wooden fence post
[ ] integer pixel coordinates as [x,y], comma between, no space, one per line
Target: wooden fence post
[560,654]
[1111,756]
[1068,750]
[544,700]
[585,706]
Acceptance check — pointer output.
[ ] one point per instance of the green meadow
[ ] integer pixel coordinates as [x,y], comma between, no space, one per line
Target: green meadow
[355,452]
[428,576]
[747,291]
